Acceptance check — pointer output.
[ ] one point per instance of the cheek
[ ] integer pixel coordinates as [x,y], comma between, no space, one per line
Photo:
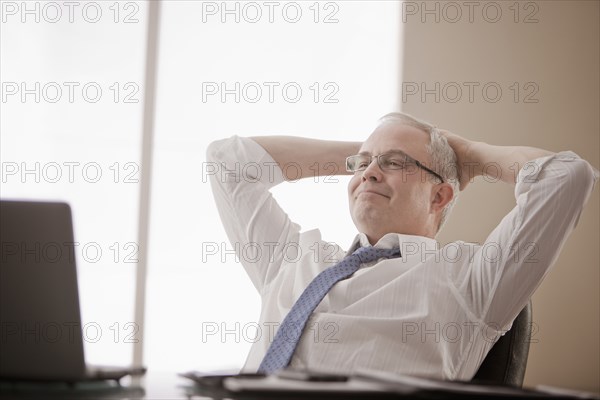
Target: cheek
[352,185]
[407,195]
[412,198]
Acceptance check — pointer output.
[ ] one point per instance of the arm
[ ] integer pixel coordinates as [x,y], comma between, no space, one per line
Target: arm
[498,162]
[241,174]
[314,157]
[551,191]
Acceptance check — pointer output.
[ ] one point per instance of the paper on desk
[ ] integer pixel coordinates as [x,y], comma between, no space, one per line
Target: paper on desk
[274,383]
[453,386]
[385,382]
[437,385]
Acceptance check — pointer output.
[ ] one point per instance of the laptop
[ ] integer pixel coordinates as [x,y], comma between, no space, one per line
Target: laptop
[40,322]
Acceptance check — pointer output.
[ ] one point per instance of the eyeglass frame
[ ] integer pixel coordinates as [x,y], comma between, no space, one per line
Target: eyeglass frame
[406,156]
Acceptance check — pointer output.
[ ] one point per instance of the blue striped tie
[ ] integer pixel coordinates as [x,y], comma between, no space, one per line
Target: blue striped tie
[286,339]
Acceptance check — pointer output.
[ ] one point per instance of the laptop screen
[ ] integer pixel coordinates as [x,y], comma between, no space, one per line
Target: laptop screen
[40,322]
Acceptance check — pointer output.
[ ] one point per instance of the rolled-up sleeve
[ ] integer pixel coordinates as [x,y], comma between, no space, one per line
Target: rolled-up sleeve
[507,268]
[241,173]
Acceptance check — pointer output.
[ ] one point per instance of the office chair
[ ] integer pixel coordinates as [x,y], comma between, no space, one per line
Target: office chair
[505,363]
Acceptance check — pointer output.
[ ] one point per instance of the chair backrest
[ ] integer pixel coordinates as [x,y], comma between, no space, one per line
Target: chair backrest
[506,362]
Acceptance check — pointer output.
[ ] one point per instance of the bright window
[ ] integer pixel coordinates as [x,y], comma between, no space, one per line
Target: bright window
[72,91]
[329,75]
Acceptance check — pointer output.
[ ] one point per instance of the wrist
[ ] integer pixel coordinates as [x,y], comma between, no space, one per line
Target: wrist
[473,160]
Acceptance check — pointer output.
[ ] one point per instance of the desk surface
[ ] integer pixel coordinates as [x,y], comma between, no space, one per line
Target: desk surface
[154,385]
[157,385]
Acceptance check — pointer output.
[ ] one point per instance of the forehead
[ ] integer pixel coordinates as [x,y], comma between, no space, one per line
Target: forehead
[397,136]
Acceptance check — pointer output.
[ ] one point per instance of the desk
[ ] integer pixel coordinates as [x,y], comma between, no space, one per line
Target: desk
[154,385]
[157,385]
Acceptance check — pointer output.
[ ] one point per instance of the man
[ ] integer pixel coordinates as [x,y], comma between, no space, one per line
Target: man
[423,310]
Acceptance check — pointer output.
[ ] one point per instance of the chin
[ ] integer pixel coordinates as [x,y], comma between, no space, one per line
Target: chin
[366,217]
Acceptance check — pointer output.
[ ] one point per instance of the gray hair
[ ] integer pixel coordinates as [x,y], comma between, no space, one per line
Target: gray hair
[443,158]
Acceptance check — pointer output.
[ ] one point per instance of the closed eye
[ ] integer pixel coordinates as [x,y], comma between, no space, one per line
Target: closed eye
[395,163]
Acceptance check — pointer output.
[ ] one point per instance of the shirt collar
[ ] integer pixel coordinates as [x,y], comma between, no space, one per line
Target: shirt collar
[408,244]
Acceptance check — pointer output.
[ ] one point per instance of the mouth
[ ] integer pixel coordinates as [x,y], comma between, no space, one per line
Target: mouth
[371,193]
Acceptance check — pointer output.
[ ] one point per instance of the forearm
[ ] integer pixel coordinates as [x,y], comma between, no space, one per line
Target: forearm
[302,157]
[501,162]
[497,162]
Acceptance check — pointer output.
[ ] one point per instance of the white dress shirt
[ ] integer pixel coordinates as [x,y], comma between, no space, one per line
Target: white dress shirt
[433,312]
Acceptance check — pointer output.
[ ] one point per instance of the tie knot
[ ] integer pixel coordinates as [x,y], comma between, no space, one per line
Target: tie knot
[369,254]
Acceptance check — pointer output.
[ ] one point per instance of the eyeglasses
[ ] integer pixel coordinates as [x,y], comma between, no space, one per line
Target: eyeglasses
[390,161]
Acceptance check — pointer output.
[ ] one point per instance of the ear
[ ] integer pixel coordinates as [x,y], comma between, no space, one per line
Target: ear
[441,195]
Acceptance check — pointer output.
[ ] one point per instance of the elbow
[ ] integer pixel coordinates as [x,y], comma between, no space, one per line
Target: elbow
[214,151]
[578,183]
[581,178]
[216,161]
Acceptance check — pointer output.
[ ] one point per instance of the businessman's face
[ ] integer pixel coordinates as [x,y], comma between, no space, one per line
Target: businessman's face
[400,200]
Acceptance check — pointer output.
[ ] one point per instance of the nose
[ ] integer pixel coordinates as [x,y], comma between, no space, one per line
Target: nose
[372,173]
